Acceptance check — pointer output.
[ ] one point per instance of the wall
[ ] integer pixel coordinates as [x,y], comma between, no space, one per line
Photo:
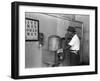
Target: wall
[62,26]
[47,26]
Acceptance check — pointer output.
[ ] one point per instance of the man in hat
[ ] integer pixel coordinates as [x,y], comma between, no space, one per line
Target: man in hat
[72,45]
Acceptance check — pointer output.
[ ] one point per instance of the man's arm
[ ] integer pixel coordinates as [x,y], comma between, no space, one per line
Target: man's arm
[67,47]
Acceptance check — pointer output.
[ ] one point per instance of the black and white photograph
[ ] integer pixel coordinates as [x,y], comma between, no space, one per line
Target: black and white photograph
[63,40]
[50,40]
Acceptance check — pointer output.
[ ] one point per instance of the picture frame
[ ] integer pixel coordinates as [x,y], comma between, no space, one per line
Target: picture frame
[19,44]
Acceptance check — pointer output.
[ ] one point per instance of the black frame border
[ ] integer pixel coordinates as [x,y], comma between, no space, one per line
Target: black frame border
[15,39]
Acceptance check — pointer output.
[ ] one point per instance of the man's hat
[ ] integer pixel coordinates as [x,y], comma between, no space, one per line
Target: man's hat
[71,29]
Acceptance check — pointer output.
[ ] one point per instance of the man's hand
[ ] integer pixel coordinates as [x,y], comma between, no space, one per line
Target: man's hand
[60,50]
